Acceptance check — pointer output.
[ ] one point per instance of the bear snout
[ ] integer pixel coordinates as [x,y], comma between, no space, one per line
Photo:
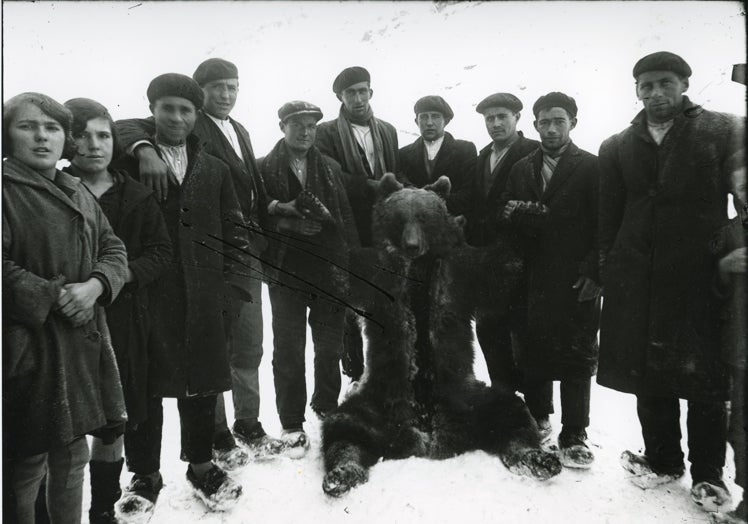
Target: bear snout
[413,242]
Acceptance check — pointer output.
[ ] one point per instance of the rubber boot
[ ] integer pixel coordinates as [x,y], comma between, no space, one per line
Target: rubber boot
[105,490]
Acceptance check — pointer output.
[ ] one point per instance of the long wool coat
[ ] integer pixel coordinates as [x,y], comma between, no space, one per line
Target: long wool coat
[560,337]
[455,160]
[134,214]
[659,207]
[360,196]
[59,381]
[481,209]
[209,238]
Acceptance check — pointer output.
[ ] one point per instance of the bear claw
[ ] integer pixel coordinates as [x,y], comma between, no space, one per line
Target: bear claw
[538,464]
[342,478]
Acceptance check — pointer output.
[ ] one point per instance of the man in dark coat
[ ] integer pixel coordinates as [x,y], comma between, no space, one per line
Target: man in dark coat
[501,112]
[227,139]
[551,199]
[366,148]
[663,194]
[207,274]
[436,153]
[307,266]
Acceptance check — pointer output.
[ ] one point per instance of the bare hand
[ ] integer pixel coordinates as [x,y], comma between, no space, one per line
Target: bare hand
[734,262]
[288,209]
[154,173]
[509,208]
[78,297]
[81,318]
[588,290]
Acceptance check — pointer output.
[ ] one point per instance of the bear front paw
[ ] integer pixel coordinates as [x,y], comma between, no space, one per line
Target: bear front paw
[342,478]
[537,464]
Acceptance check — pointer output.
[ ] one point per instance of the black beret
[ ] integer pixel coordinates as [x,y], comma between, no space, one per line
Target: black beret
[555,99]
[298,107]
[507,100]
[214,69]
[174,84]
[434,103]
[662,61]
[348,77]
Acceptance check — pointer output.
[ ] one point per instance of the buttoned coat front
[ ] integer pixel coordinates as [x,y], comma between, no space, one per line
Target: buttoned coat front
[659,207]
[559,340]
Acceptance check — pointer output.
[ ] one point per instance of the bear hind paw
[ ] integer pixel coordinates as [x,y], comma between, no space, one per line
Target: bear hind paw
[538,464]
[343,477]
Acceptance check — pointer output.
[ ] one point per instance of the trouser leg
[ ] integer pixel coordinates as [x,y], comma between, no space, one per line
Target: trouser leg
[143,443]
[326,322]
[25,475]
[289,342]
[65,467]
[575,402]
[197,422]
[737,429]
[494,337]
[539,397]
[660,421]
[353,346]
[707,439]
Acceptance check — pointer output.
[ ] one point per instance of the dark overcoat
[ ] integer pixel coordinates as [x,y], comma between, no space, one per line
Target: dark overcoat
[455,160]
[59,381]
[360,195]
[559,340]
[482,209]
[197,293]
[659,207]
[134,215]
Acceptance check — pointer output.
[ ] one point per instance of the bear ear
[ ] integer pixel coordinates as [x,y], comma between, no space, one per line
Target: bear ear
[441,187]
[388,185]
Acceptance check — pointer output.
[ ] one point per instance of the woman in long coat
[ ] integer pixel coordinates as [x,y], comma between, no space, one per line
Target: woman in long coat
[61,264]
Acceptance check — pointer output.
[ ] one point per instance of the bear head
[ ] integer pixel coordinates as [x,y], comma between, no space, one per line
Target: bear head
[413,222]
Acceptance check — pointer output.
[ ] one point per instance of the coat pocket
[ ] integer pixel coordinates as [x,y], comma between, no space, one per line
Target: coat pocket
[19,352]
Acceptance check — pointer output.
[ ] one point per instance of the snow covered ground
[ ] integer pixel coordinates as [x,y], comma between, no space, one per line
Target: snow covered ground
[475,487]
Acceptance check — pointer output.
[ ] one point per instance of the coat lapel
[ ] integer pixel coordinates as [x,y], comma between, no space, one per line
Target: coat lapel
[22,174]
[442,157]
[566,165]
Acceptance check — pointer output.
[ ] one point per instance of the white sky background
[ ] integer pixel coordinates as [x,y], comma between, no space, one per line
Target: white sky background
[110,51]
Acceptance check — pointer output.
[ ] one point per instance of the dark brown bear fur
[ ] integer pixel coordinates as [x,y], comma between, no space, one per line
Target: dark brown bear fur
[419,395]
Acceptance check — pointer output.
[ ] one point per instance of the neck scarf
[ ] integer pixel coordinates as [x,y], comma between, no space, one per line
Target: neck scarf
[550,161]
[351,156]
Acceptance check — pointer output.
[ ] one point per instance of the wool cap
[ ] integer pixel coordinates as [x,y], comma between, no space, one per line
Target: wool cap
[298,107]
[214,69]
[507,100]
[174,84]
[348,77]
[662,61]
[434,103]
[555,99]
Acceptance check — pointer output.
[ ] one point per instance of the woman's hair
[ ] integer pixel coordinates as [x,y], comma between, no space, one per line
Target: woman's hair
[46,105]
[85,109]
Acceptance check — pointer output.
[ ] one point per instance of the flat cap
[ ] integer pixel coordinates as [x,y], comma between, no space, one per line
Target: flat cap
[174,84]
[348,77]
[507,100]
[434,103]
[662,61]
[214,69]
[298,107]
[555,99]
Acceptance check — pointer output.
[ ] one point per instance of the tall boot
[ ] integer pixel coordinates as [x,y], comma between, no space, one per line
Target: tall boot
[105,490]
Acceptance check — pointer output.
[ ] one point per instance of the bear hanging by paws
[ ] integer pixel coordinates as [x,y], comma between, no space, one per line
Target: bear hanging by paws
[419,395]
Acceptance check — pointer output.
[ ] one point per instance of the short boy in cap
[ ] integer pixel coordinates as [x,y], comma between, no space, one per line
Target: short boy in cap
[207,274]
[228,140]
[436,153]
[366,148]
[663,194]
[551,197]
[501,112]
[305,266]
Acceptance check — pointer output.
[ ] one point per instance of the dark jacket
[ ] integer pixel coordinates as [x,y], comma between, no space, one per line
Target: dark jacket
[659,207]
[483,210]
[360,195]
[134,214]
[560,339]
[318,263]
[59,381]
[190,302]
[245,175]
[455,160]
